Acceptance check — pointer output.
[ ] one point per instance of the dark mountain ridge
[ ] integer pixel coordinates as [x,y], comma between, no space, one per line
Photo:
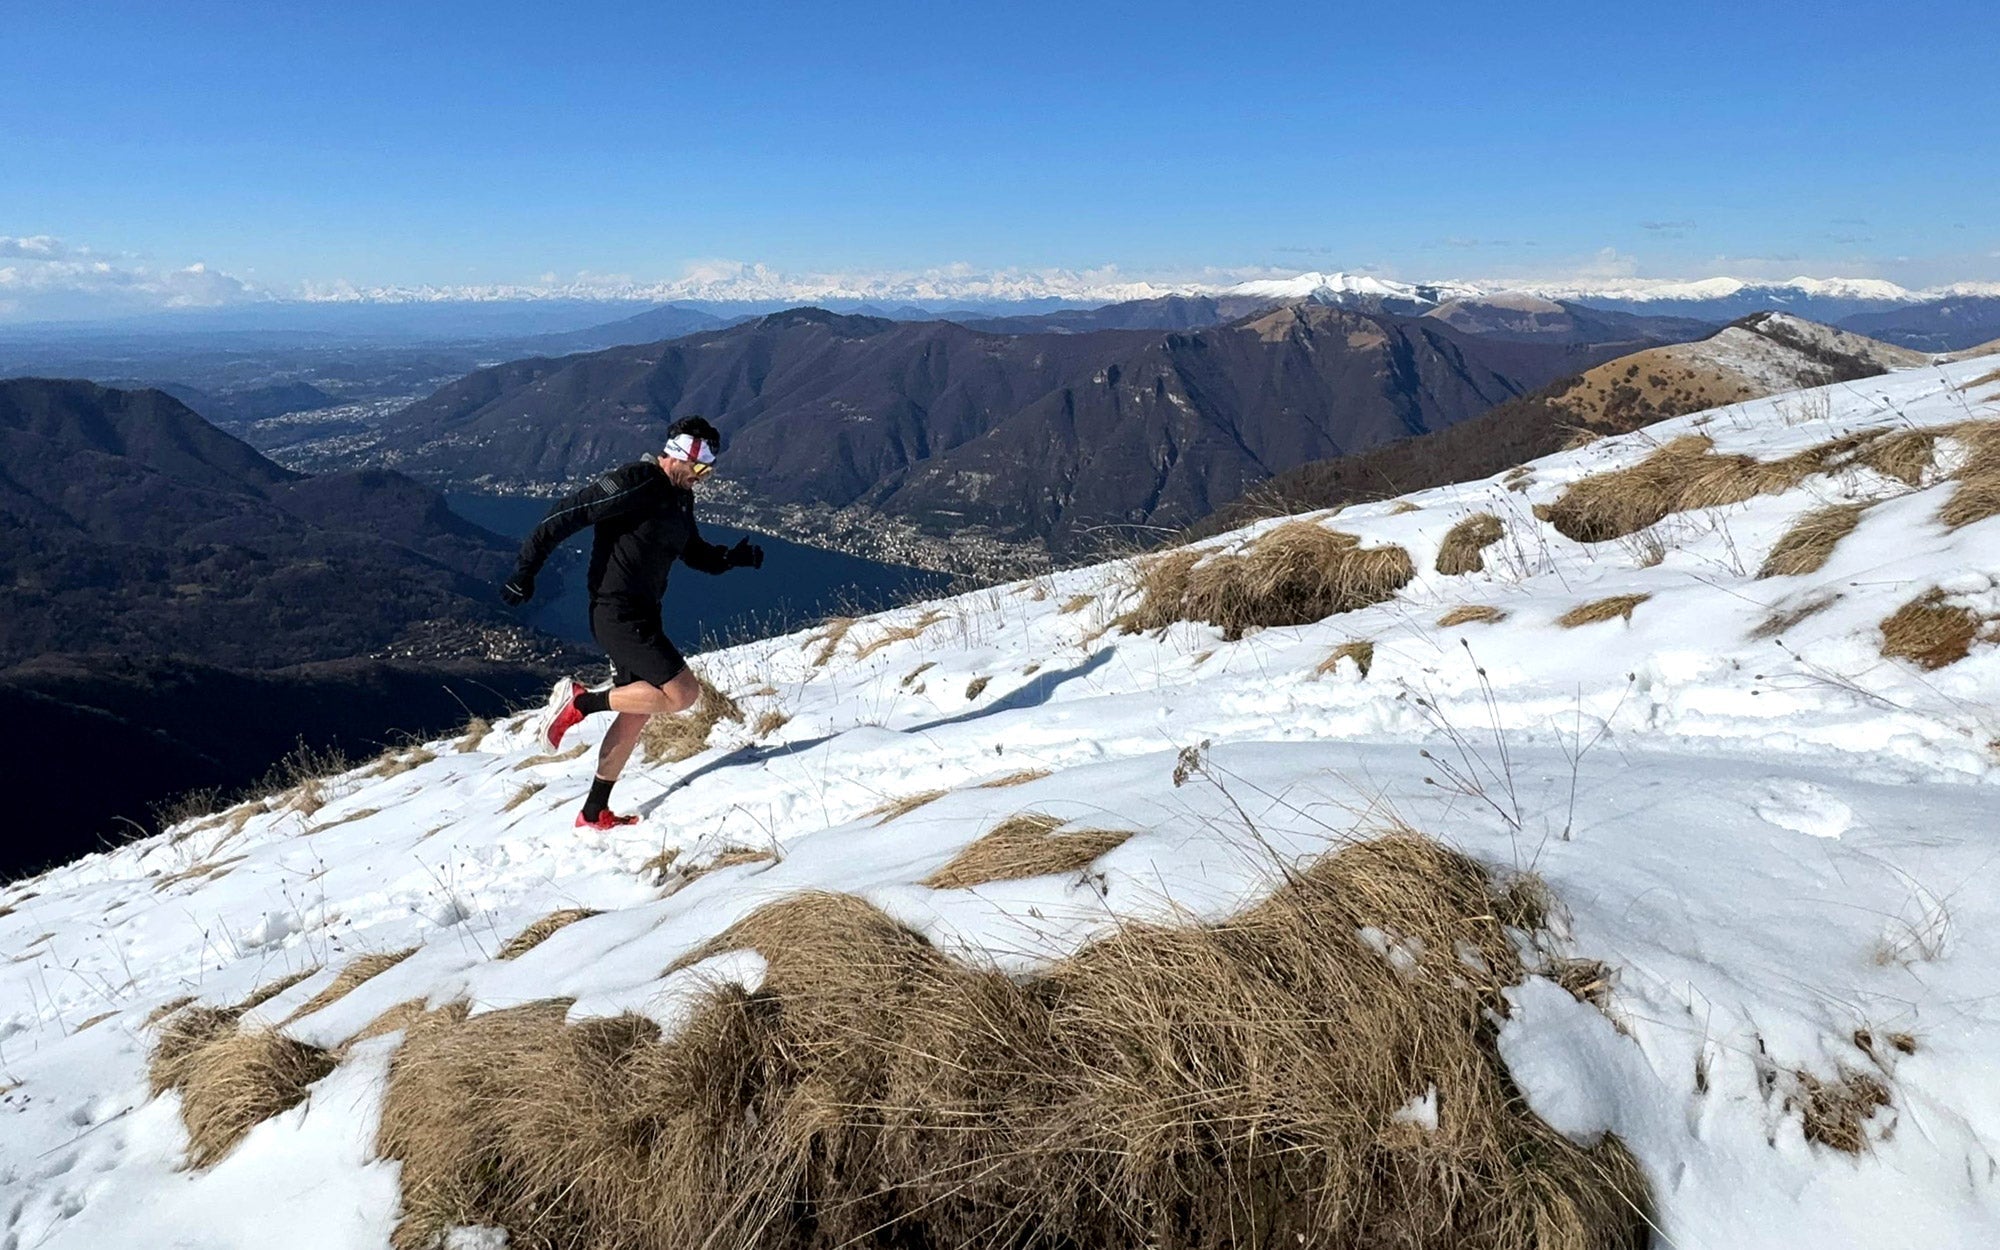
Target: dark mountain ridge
[1048,435]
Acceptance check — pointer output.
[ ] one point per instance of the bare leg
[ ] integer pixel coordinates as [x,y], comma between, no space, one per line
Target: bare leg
[636,704]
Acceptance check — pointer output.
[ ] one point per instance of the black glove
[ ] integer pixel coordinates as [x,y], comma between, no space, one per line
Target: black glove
[518,589]
[745,554]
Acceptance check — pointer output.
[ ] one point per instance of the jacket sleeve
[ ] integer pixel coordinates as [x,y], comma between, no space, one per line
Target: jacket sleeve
[618,492]
[705,556]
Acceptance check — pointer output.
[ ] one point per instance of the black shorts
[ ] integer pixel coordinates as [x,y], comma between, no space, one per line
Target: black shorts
[639,649]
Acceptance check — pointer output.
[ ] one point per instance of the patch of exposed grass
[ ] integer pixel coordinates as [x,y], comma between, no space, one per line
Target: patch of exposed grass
[1464,545]
[540,931]
[1026,845]
[730,857]
[1977,495]
[1905,455]
[1294,574]
[899,633]
[1361,652]
[1075,604]
[1199,1086]
[1020,778]
[1601,610]
[831,635]
[365,968]
[976,687]
[1836,1112]
[1930,631]
[1782,619]
[475,733]
[1403,507]
[671,739]
[910,677]
[1809,543]
[1681,475]
[239,1080]
[536,761]
[396,761]
[522,793]
[770,722]
[896,809]
[1471,614]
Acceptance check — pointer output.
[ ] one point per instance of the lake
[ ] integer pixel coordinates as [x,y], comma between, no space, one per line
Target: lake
[798,585]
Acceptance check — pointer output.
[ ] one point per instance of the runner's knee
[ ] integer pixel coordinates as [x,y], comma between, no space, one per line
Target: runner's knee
[682,691]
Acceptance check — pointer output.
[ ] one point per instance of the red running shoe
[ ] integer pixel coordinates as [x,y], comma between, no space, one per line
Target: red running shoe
[606,819]
[560,716]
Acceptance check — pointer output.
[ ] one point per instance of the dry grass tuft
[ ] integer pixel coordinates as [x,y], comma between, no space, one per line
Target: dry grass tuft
[671,739]
[271,989]
[831,635]
[1403,506]
[976,687]
[896,809]
[357,971]
[92,1022]
[1836,1112]
[661,864]
[1808,545]
[1021,778]
[1977,496]
[560,757]
[1463,545]
[1023,846]
[475,733]
[522,793]
[1362,653]
[1930,631]
[731,857]
[1197,1087]
[395,1019]
[900,633]
[1905,455]
[1471,613]
[1295,574]
[394,763]
[1681,475]
[238,1081]
[1075,604]
[184,1033]
[1601,610]
[165,1009]
[910,677]
[1781,620]
[770,722]
[537,933]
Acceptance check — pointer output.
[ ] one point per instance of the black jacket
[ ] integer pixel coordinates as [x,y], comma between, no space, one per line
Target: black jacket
[644,523]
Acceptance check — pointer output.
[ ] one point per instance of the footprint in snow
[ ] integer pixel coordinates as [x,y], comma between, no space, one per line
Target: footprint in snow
[1806,808]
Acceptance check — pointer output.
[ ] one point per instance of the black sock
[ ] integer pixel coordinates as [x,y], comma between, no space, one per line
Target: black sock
[591,702]
[600,797]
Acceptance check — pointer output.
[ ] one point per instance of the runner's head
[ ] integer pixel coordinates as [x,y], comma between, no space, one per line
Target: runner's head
[690,451]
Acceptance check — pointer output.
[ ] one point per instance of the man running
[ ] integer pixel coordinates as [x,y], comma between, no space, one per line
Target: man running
[644,519]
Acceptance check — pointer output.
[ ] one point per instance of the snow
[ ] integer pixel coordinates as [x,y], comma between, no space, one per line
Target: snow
[1776,847]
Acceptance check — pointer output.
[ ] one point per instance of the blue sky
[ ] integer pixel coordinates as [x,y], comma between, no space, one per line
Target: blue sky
[473,144]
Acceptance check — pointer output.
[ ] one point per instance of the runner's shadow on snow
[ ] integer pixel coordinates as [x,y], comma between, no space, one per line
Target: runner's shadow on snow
[1037,692]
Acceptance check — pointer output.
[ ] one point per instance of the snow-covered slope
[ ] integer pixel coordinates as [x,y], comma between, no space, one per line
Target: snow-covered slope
[1781,844]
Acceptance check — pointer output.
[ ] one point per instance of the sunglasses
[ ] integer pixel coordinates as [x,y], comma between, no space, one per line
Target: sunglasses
[699,470]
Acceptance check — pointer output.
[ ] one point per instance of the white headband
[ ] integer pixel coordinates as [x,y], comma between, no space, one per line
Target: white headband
[688,447]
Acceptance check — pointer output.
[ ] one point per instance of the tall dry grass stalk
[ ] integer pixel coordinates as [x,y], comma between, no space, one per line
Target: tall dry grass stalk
[1809,543]
[1224,1085]
[671,739]
[1464,545]
[899,633]
[1295,574]
[1025,845]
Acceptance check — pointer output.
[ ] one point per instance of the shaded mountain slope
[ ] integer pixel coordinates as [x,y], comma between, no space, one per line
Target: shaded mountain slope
[1041,435]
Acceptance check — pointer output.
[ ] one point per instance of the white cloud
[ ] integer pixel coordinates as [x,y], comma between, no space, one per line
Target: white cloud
[43,278]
